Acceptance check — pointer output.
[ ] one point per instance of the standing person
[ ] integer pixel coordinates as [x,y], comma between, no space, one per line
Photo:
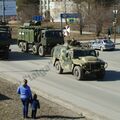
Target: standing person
[26,96]
[35,105]
[109,33]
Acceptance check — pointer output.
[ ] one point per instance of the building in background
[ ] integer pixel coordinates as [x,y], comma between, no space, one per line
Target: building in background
[53,8]
[44,8]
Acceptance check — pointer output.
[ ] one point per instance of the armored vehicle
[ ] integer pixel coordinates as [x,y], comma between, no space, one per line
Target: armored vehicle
[5,39]
[39,40]
[79,61]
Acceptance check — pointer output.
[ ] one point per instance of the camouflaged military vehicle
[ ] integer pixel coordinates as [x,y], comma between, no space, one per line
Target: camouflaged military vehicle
[79,61]
[5,39]
[39,40]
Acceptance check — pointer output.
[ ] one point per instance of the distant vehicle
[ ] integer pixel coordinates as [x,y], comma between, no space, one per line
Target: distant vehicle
[39,40]
[79,61]
[5,39]
[103,44]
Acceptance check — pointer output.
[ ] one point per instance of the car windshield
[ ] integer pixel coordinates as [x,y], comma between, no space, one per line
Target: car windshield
[108,41]
[82,53]
[4,28]
[53,34]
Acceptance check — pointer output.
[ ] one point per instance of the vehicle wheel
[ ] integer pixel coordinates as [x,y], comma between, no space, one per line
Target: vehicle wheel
[35,50]
[20,44]
[41,51]
[100,74]
[101,49]
[58,67]
[39,38]
[78,73]
[25,47]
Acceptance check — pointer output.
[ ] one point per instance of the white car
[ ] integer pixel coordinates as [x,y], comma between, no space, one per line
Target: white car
[103,44]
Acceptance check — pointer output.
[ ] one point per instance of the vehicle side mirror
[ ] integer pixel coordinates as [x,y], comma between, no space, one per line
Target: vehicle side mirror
[97,53]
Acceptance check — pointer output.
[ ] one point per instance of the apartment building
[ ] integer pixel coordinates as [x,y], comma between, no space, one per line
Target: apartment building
[44,6]
[56,7]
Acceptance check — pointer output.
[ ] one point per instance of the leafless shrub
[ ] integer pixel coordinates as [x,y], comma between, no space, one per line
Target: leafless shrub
[27,11]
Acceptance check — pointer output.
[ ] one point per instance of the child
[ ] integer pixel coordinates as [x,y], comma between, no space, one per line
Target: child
[35,105]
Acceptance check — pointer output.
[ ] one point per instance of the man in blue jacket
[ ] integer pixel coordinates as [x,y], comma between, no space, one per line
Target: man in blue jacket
[26,96]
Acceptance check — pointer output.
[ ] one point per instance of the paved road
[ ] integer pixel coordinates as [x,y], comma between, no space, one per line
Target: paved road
[98,99]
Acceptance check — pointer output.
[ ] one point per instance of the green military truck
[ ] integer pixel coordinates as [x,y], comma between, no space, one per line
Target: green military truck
[38,40]
[80,61]
[5,39]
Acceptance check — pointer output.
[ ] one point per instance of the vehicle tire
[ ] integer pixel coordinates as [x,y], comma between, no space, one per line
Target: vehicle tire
[41,51]
[58,67]
[39,38]
[25,47]
[35,50]
[100,74]
[78,73]
[20,44]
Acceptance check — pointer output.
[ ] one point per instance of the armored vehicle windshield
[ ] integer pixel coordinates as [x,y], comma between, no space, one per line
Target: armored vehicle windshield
[6,29]
[82,53]
[54,34]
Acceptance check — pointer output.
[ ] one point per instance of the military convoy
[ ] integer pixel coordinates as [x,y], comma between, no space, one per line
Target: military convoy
[5,39]
[80,61]
[38,40]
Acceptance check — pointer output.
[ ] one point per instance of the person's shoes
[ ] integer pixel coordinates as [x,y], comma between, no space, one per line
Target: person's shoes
[33,117]
[25,117]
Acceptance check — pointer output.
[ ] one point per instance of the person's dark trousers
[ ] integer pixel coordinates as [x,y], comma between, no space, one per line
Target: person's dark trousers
[34,113]
[25,103]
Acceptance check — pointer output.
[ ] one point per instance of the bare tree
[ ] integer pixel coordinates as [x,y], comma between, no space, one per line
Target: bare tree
[96,12]
[27,9]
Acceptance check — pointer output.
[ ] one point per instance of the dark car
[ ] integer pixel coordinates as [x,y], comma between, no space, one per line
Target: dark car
[103,44]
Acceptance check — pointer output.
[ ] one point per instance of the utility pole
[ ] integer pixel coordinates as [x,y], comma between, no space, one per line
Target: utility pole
[65,10]
[65,6]
[3,10]
[115,11]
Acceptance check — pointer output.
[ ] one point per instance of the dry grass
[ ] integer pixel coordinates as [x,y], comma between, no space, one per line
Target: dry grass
[11,106]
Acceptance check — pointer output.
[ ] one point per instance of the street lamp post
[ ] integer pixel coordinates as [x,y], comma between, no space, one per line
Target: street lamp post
[65,9]
[3,10]
[115,11]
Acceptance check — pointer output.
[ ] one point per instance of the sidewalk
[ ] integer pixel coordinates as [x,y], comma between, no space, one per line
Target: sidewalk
[11,106]
[117,41]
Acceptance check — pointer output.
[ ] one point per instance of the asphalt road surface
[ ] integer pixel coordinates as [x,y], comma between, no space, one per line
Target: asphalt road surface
[99,100]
